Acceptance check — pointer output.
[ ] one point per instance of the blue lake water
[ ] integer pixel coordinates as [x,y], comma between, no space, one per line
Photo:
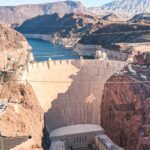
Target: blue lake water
[43,50]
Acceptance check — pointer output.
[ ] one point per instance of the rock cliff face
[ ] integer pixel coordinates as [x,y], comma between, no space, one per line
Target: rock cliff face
[13,48]
[125,108]
[125,37]
[111,17]
[66,29]
[21,114]
[142,58]
[117,33]
[63,24]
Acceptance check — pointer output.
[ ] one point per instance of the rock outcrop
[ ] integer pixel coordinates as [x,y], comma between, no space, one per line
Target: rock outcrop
[20,112]
[111,17]
[120,37]
[142,58]
[13,48]
[62,24]
[125,107]
[117,33]
[23,116]
[141,18]
[66,29]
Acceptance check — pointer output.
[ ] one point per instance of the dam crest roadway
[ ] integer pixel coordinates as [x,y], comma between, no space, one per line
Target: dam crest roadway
[70,91]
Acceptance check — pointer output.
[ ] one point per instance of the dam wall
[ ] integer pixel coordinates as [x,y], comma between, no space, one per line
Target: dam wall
[70,91]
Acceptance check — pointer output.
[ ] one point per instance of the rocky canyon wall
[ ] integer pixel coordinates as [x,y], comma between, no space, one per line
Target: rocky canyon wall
[20,112]
[125,110]
[22,116]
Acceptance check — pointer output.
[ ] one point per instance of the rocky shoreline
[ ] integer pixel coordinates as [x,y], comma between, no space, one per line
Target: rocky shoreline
[81,49]
[39,36]
[63,41]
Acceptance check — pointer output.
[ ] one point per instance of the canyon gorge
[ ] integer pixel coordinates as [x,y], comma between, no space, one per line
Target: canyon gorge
[111,90]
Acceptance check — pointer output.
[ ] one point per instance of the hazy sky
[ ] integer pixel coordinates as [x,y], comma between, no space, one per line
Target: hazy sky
[88,3]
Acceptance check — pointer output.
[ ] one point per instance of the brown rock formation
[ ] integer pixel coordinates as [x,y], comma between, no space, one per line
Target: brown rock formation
[122,110]
[23,116]
[142,58]
[62,24]
[119,32]
[125,108]
[13,47]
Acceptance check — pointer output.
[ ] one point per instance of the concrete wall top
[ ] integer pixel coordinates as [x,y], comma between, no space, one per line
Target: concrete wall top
[77,63]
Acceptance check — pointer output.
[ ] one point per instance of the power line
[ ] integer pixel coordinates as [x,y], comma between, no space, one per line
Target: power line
[119,82]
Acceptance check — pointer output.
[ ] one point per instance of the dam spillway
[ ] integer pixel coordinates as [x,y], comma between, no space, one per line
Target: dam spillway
[70,91]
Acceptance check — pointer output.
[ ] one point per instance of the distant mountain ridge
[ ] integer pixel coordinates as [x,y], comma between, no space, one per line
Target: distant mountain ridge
[18,14]
[132,7]
[126,9]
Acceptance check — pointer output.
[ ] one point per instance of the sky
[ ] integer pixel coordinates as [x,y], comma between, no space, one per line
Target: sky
[88,3]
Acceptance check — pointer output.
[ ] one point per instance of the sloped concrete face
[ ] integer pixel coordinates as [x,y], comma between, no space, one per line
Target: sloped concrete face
[70,91]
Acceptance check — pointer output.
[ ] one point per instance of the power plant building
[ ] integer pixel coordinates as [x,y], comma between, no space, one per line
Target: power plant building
[81,136]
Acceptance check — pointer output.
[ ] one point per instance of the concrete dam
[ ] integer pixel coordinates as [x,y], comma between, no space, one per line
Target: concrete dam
[70,91]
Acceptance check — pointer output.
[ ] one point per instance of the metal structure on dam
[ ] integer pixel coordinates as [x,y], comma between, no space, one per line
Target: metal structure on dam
[70,91]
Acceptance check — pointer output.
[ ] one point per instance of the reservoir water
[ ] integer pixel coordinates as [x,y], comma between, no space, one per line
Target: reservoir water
[43,50]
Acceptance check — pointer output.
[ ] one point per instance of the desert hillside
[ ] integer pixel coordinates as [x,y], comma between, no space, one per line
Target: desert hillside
[16,15]
[126,7]
[61,24]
